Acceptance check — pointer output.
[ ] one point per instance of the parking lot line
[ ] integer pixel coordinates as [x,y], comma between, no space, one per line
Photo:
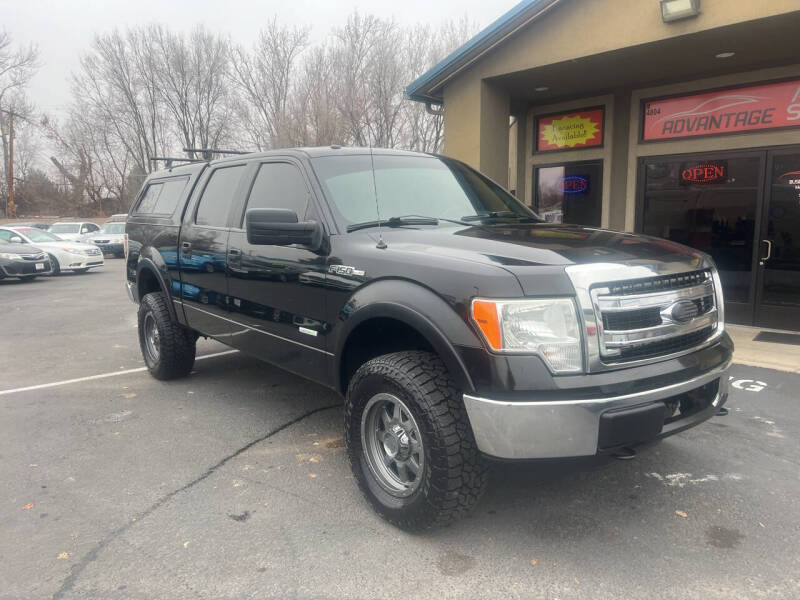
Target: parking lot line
[100,376]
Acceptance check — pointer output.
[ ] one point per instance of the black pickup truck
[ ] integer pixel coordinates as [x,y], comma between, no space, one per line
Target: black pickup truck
[455,322]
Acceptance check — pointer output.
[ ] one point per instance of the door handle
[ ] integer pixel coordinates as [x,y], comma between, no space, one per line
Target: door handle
[234,252]
[186,248]
[769,251]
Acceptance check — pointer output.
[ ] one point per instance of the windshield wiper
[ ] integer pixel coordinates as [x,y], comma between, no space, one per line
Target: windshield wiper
[501,214]
[401,221]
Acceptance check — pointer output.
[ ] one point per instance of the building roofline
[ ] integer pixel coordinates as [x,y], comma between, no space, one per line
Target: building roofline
[427,87]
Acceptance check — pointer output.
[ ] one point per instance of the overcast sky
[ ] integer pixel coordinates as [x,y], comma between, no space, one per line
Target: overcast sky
[63,29]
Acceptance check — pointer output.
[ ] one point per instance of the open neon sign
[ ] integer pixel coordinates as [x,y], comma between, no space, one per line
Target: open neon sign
[573,184]
[704,173]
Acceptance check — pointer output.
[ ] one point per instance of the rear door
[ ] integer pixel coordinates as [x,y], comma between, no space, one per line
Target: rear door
[277,292]
[202,250]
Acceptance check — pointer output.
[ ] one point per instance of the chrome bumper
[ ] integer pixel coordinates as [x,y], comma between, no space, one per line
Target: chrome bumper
[565,428]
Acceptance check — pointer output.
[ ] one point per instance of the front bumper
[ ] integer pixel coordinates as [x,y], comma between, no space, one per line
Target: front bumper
[73,260]
[110,247]
[23,267]
[584,427]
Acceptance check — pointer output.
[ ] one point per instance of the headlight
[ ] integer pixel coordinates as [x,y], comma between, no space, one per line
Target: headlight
[546,326]
[10,256]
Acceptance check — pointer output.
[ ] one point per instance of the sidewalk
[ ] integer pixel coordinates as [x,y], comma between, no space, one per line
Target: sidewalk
[769,354]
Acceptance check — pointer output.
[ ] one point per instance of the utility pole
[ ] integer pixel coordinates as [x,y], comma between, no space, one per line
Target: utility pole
[11,209]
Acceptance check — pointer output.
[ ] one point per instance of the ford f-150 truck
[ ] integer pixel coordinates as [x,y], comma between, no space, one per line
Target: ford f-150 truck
[457,324]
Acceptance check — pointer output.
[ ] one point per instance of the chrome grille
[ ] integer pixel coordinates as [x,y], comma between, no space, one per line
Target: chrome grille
[654,316]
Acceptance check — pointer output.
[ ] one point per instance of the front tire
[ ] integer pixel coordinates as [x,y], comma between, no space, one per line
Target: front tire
[167,347]
[54,265]
[409,441]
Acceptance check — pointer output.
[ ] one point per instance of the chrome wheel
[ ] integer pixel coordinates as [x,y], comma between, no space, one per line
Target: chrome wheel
[152,339]
[392,444]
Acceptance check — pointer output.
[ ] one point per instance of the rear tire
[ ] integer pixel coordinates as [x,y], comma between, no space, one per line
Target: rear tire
[419,466]
[168,348]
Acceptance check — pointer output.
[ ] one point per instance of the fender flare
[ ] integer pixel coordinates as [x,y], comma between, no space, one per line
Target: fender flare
[419,308]
[146,264]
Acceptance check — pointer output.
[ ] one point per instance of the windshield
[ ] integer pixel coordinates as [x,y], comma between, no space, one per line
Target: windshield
[112,228]
[37,235]
[65,228]
[411,185]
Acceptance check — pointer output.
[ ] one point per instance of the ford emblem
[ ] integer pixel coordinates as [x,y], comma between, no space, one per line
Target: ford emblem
[683,311]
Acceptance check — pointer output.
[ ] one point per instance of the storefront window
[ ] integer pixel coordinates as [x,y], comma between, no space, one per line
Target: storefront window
[570,193]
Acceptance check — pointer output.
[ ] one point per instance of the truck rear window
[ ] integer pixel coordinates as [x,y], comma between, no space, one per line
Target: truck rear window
[161,197]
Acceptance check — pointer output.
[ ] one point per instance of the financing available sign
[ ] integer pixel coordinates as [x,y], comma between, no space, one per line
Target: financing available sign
[751,108]
[566,131]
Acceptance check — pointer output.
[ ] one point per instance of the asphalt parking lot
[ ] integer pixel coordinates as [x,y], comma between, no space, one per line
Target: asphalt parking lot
[233,483]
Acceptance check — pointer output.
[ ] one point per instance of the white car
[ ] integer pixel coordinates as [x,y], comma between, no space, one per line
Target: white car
[73,230]
[65,255]
[110,238]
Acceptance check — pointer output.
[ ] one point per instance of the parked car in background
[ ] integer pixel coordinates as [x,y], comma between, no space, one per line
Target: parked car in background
[68,230]
[110,238]
[64,255]
[22,260]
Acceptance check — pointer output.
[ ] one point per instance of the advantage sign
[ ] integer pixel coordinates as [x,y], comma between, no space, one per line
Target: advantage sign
[751,108]
[565,131]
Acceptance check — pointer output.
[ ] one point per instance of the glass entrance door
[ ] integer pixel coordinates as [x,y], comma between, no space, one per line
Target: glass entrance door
[710,202]
[778,300]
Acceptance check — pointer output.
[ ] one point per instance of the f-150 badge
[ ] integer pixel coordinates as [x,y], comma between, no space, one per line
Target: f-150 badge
[344,270]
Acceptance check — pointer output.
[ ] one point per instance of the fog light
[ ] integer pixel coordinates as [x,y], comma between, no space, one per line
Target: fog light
[675,10]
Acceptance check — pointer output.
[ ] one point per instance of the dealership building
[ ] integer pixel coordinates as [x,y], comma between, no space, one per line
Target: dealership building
[675,118]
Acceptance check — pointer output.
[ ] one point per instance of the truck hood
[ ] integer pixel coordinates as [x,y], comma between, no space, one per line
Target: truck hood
[536,244]
[529,249]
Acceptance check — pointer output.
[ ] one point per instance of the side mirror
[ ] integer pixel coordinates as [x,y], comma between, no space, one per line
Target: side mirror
[15,239]
[280,227]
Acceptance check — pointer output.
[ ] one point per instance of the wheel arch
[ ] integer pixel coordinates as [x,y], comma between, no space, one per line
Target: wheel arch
[408,311]
[150,279]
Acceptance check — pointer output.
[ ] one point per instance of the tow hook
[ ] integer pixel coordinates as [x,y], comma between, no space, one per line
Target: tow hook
[624,453]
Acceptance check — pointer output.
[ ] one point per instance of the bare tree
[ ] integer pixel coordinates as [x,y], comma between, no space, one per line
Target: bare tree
[192,76]
[264,78]
[117,81]
[17,66]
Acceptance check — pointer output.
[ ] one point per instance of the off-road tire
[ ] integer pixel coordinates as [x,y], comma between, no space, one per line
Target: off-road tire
[176,343]
[455,474]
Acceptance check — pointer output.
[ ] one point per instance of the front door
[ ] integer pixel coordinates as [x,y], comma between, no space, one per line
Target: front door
[778,301]
[277,293]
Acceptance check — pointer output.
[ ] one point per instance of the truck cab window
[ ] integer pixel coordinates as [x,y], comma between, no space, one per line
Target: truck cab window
[217,196]
[279,185]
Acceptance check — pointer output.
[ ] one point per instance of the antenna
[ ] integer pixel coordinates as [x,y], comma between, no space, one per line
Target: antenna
[381,244]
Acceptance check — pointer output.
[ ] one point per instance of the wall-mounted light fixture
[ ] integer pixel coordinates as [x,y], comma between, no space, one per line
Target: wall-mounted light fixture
[675,10]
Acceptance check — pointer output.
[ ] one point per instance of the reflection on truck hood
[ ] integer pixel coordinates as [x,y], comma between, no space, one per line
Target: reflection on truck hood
[536,244]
